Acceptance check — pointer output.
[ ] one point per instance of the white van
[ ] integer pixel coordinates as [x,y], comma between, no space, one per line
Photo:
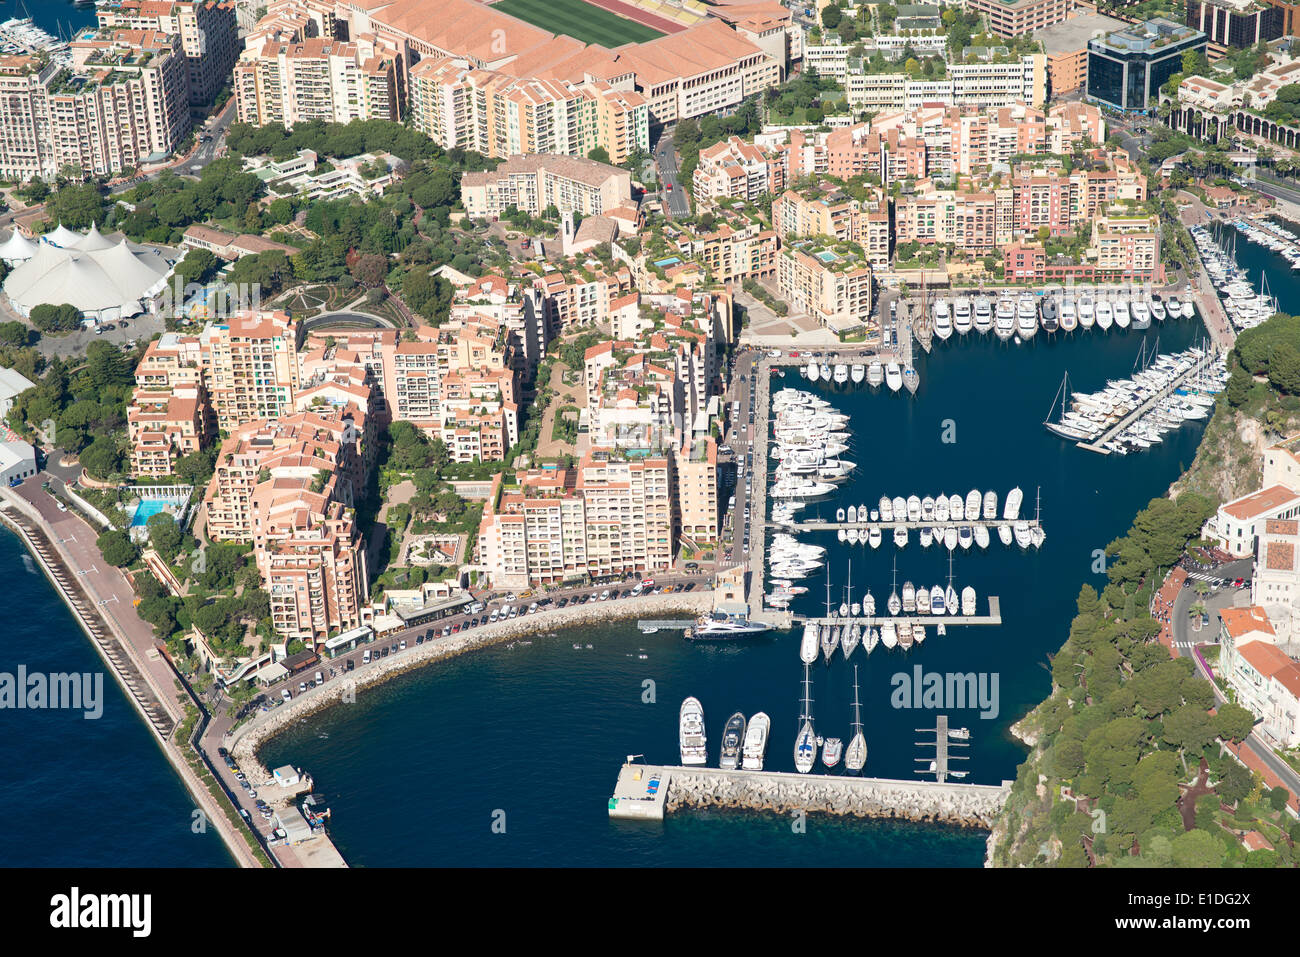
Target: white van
[365,657]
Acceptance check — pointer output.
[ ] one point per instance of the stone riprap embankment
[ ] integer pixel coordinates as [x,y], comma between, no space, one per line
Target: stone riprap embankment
[971,805]
[245,740]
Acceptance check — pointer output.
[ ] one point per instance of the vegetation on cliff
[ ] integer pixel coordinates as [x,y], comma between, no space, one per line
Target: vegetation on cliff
[1128,766]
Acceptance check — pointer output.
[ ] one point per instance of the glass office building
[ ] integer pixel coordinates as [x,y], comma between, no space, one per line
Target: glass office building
[1127,68]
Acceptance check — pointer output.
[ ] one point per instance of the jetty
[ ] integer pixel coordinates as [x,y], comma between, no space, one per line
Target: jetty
[994,617]
[1099,443]
[647,792]
[942,745]
[818,525]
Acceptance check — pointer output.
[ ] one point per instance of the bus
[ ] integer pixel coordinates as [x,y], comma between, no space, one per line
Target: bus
[348,641]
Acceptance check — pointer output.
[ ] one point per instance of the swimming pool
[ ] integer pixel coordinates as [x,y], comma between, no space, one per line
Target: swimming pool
[672,261]
[147,508]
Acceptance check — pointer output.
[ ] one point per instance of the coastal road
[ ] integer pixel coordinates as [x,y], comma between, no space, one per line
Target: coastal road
[1184,637]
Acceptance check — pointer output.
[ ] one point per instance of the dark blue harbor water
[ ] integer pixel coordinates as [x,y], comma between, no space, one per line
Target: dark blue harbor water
[416,770]
[78,792]
[59,18]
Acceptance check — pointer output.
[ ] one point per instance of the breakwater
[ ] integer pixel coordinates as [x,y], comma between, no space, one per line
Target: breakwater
[969,805]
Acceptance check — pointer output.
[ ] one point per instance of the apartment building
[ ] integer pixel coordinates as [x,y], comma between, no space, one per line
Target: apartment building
[1265,680]
[208,32]
[532,183]
[1275,581]
[164,426]
[831,284]
[731,254]
[499,115]
[124,101]
[970,219]
[992,83]
[734,169]
[1066,46]
[250,367]
[288,82]
[1011,18]
[833,213]
[1127,245]
[697,491]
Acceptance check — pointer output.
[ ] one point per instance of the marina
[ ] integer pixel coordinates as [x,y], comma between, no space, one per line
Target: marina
[1136,413]
[945,739]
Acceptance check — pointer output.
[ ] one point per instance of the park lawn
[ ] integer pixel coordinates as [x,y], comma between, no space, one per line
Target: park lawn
[582,21]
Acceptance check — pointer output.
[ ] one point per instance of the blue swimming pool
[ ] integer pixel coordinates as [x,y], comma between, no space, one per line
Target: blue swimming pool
[147,508]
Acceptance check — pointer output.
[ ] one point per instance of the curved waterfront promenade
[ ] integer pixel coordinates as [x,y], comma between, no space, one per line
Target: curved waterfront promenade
[245,741]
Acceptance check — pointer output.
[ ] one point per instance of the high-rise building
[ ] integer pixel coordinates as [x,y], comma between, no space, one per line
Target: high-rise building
[1236,23]
[124,101]
[208,31]
[1127,68]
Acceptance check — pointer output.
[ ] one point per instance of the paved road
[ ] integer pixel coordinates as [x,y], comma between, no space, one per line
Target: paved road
[1185,636]
[675,203]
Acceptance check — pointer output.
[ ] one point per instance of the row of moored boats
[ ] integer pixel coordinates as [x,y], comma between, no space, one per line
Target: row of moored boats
[1087,416]
[1245,306]
[874,373]
[1021,317]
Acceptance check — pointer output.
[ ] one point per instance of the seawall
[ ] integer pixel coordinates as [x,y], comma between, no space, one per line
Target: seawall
[968,805]
[245,741]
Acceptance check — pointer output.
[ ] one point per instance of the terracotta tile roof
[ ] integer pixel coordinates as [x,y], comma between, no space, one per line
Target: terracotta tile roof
[1243,621]
[1257,503]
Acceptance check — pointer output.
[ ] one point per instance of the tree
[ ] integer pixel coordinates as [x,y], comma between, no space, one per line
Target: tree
[831,16]
[164,534]
[599,154]
[61,318]
[13,334]
[1278,797]
[102,458]
[369,269]
[1236,784]
[1234,722]
[197,266]
[1197,848]
[117,548]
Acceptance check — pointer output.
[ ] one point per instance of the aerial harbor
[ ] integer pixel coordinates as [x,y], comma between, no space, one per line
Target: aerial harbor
[625,434]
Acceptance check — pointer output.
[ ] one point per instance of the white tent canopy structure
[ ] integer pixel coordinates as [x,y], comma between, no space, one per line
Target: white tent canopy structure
[93,240]
[104,280]
[63,236]
[17,248]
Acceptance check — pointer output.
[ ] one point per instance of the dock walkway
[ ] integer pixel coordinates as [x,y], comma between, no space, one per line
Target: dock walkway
[1099,444]
[994,617]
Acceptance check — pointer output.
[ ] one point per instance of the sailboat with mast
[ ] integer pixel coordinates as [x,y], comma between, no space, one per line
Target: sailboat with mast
[856,754]
[1061,427]
[830,635]
[853,632]
[805,745]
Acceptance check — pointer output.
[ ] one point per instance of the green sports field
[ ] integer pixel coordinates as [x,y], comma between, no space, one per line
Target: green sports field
[579,20]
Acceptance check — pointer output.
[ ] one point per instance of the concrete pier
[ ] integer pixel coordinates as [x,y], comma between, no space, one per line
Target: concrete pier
[971,805]
[1099,444]
[994,617]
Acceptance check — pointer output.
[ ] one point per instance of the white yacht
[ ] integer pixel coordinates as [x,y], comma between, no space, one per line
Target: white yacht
[856,755]
[755,742]
[894,376]
[942,319]
[1005,322]
[1105,316]
[841,374]
[808,646]
[1021,530]
[811,373]
[875,373]
[690,732]
[983,314]
[1069,315]
[1087,312]
[1122,317]
[1011,510]
[968,601]
[1026,316]
[858,373]
[990,505]
[961,316]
